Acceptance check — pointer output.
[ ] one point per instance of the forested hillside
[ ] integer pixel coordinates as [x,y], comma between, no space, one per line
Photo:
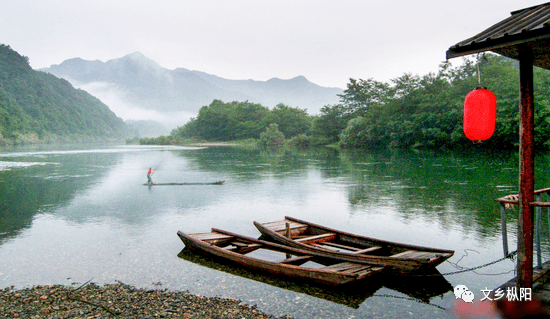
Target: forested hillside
[408,112]
[38,107]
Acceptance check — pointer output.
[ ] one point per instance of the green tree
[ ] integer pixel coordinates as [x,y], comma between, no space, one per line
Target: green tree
[360,95]
[272,137]
[292,121]
[327,126]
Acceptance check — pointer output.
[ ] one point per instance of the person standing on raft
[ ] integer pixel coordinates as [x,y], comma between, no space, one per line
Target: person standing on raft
[149,173]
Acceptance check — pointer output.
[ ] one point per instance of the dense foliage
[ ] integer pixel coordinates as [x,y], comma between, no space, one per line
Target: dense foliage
[272,137]
[39,107]
[221,121]
[410,111]
[427,111]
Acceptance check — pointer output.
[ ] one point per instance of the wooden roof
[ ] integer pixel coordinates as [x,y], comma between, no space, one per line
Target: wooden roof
[529,26]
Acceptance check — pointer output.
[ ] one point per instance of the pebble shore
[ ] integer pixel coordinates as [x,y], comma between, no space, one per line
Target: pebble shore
[118,301]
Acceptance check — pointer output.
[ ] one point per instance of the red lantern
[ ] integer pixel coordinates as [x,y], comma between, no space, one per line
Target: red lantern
[480,111]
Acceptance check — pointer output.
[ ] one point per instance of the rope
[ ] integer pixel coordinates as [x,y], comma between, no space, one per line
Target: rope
[509,256]
[408,298]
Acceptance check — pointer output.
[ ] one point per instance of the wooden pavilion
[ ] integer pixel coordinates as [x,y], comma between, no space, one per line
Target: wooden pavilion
[524,36]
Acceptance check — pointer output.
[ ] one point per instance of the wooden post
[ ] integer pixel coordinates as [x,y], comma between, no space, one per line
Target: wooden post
[288,233]
[538,231]
[526,169]
[504,230]
[548,211]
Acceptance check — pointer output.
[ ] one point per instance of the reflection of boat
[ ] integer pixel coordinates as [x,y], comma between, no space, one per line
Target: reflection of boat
[351,295]
[421,288]
[167,184]
[278,259]
[350,247]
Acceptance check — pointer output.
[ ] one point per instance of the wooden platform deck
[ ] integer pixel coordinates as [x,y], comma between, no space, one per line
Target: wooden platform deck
[541,284]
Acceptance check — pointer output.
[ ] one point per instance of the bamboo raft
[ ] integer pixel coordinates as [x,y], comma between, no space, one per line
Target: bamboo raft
[184,183]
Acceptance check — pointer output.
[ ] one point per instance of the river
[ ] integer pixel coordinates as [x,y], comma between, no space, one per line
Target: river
[73,214]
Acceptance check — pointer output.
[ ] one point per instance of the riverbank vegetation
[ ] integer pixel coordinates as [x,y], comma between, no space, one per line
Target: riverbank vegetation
[408,112]
[37,107]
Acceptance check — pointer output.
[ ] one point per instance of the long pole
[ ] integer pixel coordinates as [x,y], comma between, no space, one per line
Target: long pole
[153,172]
[526,169]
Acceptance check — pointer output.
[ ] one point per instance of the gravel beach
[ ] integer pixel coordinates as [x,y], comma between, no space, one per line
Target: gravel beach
[117,301]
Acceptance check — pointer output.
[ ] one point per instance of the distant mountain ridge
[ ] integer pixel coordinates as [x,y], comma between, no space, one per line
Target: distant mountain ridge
[144,84]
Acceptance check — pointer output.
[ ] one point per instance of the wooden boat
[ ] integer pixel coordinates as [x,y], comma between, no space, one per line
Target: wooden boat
[422,288]
[184,183]
[278,259]
[350,247]
[351,295]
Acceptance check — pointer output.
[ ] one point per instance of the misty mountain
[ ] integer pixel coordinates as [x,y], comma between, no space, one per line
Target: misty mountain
[148,128]
[141,84]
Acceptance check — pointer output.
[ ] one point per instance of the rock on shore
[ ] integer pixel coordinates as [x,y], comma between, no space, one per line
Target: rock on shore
[117,301]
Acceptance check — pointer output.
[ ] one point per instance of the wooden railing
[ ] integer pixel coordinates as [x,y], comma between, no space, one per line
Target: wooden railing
[511,200]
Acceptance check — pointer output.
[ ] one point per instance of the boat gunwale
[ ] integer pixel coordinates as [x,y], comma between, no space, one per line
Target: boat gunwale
[386,242]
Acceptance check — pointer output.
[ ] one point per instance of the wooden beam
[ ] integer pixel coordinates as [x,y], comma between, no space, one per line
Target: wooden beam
[526,169]
[499,44]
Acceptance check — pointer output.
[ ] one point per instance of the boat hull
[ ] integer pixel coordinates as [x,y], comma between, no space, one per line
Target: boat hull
[336,273]
[351,247]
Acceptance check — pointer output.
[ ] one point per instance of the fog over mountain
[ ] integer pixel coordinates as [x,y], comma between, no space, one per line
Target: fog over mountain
[137,88]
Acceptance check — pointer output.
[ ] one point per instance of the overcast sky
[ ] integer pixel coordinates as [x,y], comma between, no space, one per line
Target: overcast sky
[328,42]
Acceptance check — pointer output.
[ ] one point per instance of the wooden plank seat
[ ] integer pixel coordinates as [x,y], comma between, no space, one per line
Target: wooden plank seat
[367,250]
[335,245]
[413,254]
[359,269]
[242,249]
[240,244]
[353,250]
[349,268]
[213,238]
[317,238]
[341,266]
[280,225]
[209,236]
[296,260]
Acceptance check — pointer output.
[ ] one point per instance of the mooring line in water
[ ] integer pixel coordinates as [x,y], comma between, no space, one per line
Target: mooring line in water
[509,256]
[408,298]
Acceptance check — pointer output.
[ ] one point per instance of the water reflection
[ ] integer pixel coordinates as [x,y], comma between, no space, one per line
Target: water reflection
[78,184]
[29,190]
[451,188]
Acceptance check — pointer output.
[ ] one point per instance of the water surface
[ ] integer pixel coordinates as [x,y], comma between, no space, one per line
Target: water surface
[77,214]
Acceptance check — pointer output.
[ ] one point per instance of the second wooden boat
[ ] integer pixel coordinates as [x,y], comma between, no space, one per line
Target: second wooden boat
[350,247]
[278,259]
